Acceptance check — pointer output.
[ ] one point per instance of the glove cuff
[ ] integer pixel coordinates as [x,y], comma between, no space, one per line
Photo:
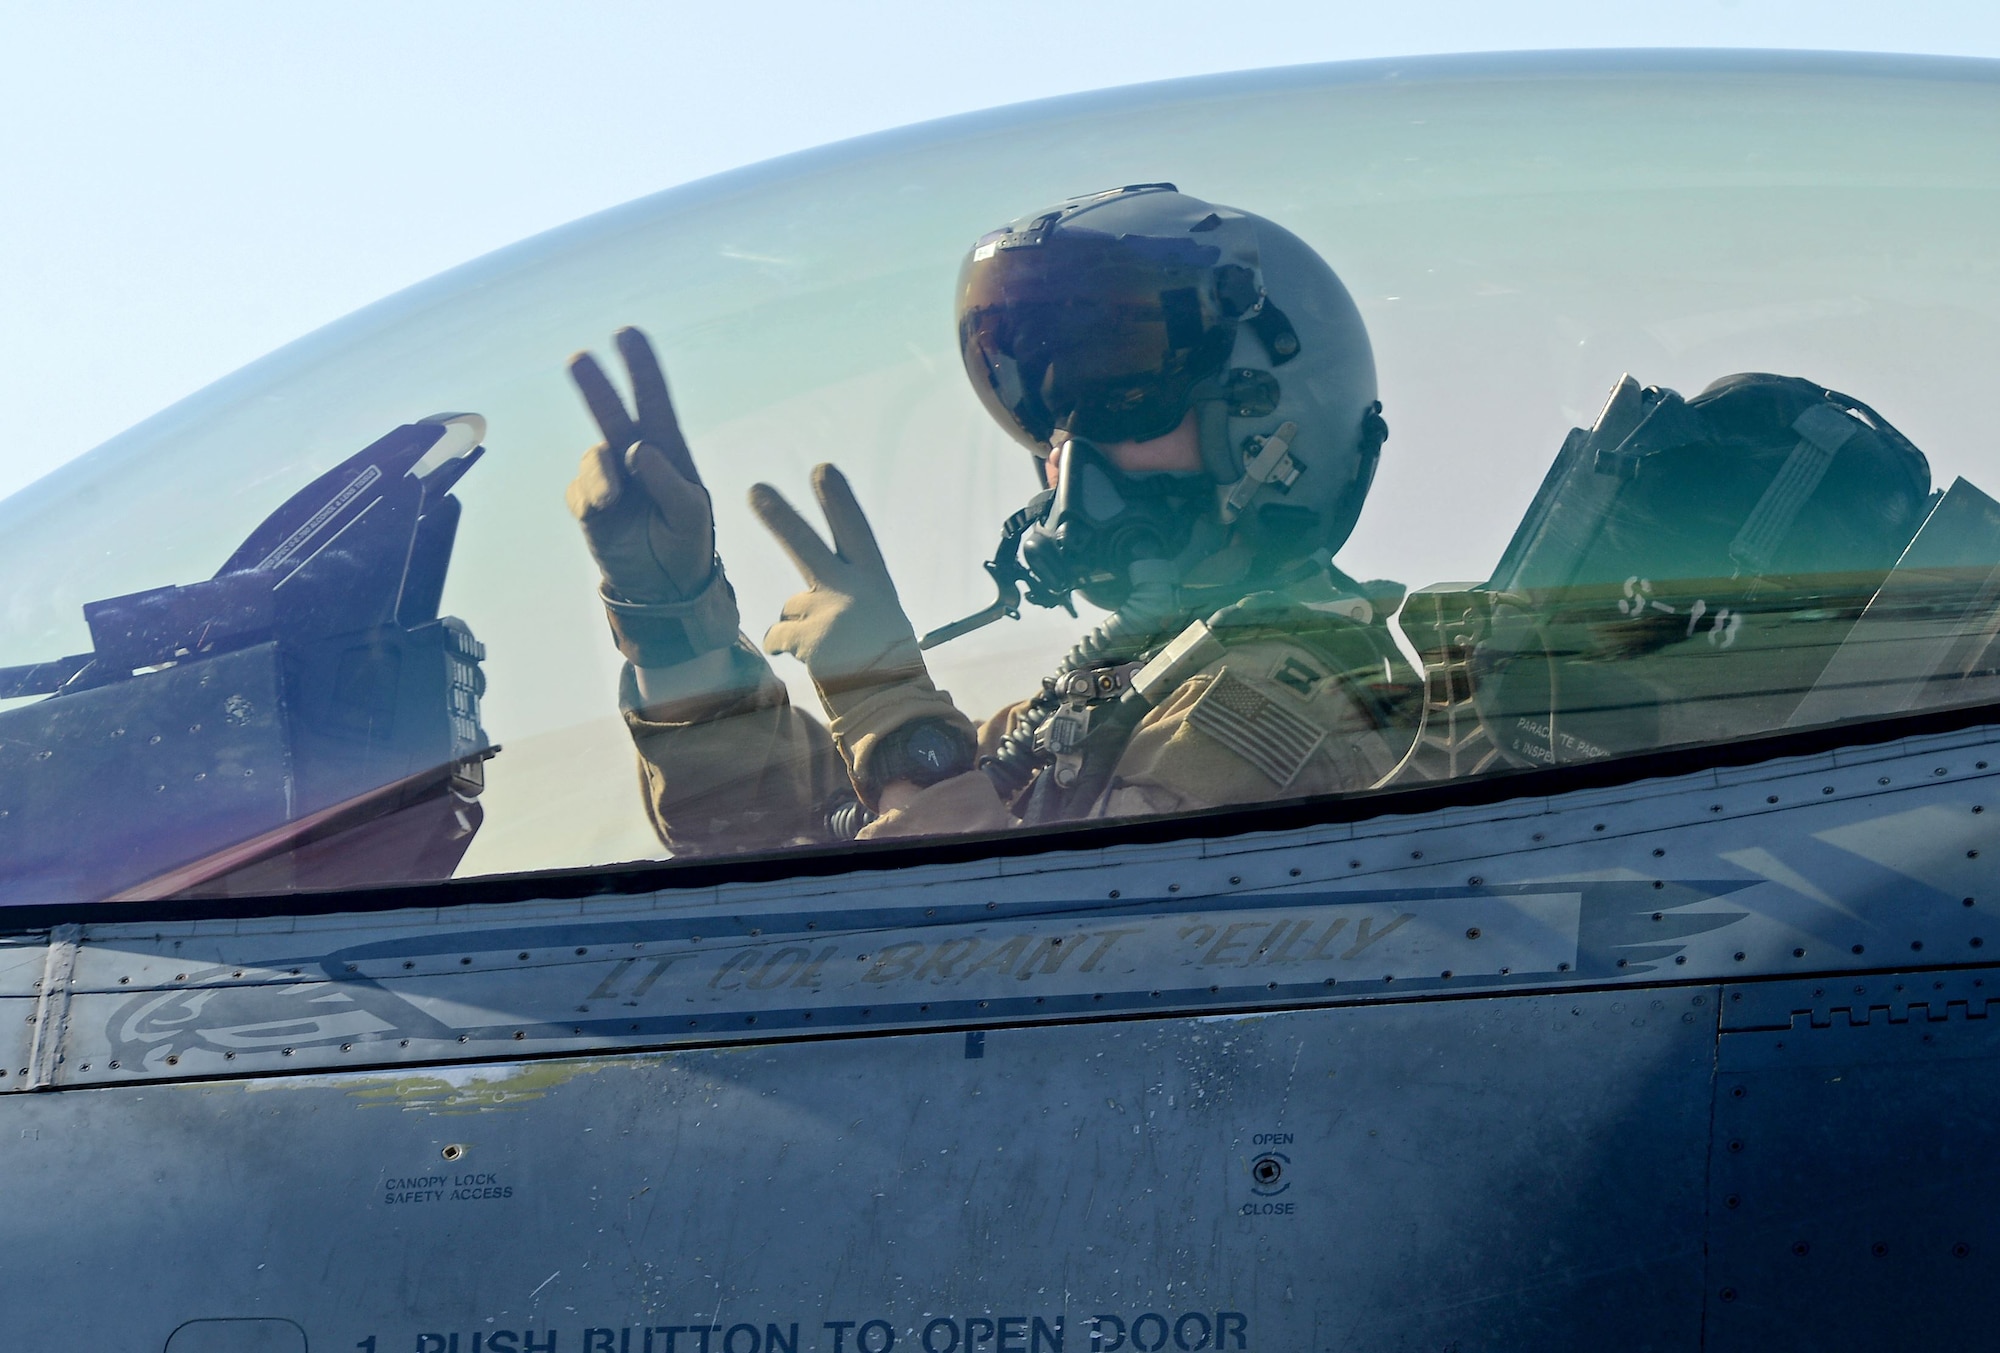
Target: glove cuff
[666,634]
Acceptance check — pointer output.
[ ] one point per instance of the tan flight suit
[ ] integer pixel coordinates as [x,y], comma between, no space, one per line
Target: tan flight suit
[1277,716]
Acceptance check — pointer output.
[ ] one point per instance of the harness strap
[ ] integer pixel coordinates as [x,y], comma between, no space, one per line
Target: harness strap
[1822,432]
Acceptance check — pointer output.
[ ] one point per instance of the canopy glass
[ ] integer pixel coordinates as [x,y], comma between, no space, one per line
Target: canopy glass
[226,671]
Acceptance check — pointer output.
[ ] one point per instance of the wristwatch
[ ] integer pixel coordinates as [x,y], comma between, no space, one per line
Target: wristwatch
[922,752]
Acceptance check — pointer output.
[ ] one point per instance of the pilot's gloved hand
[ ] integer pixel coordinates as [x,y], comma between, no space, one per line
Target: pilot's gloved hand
[848,628]
[647,519]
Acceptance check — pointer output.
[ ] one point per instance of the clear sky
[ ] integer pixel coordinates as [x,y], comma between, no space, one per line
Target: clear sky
[185,187]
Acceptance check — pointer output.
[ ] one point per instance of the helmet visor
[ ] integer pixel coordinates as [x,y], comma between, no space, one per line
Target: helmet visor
[1104,338]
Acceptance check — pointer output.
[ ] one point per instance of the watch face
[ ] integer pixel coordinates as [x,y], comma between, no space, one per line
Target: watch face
[930,747]
[926,753]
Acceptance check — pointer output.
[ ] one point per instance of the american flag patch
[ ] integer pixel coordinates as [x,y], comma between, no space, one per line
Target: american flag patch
[1256,727]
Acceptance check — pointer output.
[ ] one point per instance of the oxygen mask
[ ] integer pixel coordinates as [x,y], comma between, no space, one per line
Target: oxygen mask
[1102,520]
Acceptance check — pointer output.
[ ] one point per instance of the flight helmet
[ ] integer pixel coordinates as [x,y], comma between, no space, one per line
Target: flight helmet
[1114,316]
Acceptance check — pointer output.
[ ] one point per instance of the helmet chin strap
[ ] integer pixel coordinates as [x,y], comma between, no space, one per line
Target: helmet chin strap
[1211,415]
[1374,432]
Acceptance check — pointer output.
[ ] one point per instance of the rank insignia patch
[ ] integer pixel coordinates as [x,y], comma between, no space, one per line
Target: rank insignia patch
[1295,674]
[1256,727]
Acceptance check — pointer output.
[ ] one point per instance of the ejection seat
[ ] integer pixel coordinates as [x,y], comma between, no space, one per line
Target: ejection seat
[1765,555]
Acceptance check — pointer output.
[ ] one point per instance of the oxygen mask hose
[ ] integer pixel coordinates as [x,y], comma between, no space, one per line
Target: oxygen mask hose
[1009,577]
[1154,602]
[1153,610]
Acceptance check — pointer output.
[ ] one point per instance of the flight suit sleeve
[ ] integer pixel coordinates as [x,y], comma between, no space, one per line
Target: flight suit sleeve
[1268,720]
[735,769]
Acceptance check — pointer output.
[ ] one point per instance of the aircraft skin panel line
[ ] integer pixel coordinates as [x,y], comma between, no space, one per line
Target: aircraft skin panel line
[1679,881]
[54,990]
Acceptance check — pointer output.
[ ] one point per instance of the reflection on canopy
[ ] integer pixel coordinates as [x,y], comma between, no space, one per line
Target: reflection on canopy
[303,718]
[1764,556]
[1767,554]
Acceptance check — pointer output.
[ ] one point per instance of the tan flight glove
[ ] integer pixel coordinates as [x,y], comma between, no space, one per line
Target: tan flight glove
[849,630]
[647,519]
